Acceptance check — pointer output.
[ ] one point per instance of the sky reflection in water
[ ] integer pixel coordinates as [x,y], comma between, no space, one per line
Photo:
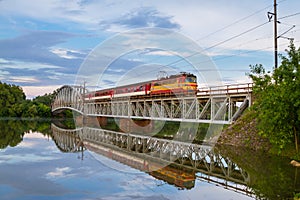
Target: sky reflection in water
[37,169]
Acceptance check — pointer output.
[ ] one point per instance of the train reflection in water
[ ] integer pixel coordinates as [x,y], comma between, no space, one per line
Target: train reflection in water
[172,174]
[176,163]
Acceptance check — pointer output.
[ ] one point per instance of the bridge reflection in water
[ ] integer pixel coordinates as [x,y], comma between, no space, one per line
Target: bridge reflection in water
[176,163]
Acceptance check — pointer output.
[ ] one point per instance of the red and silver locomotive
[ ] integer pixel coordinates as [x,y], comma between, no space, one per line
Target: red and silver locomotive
[183,83]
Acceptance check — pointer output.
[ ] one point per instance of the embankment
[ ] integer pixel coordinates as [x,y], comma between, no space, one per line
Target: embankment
[243,133]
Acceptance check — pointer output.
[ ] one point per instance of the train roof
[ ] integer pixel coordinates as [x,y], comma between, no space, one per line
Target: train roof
[145,82]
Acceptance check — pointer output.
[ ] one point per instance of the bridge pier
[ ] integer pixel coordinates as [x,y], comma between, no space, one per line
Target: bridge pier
[92,121]
[136,125]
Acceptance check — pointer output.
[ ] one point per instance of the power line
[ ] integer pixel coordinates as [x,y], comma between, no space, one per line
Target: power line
[219,43]
[229,25]
[238,35]
[244,53]
[287,16]
[215,45]
[236,22]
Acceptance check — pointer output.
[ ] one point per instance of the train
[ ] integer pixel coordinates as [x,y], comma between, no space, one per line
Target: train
[182,83]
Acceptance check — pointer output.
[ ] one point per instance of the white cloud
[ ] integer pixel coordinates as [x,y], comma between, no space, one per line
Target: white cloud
[3,75]
[59,172]
[16,64]
[33,91]
[65,53]
[4,61]
[23,79]
[161,53]
[21,158]
[197,19]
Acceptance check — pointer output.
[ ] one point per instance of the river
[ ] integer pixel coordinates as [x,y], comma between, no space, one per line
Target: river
[40,160]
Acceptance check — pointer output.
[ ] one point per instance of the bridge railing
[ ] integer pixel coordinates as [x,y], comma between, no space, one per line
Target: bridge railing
[226,89]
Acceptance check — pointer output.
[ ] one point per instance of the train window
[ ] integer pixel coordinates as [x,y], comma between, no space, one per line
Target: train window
[141,88]
[190,79]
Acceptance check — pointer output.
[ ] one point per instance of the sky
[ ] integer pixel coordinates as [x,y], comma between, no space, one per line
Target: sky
[50,43]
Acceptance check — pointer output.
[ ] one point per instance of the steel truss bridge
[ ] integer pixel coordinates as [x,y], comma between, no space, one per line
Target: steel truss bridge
[219,105]
[135,150]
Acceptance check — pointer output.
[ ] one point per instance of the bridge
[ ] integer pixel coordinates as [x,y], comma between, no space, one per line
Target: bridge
[218,105]
[163,159]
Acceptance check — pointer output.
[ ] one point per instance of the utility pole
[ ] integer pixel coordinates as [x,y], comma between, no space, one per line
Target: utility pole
[83,98]
[270,16]
[275,35]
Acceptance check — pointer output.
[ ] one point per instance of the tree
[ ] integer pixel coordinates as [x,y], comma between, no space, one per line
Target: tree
[9,96]
[13,103]
[278,100]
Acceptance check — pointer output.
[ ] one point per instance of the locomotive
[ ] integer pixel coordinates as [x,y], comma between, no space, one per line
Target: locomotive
[183,83]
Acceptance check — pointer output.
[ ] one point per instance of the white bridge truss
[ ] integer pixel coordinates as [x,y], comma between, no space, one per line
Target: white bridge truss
[200,158]
[220,105]
[206,161]
[69,97]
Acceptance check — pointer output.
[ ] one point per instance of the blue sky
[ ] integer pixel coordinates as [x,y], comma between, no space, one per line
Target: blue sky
[43,44]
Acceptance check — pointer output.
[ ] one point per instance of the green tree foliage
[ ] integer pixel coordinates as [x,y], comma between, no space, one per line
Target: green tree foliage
[9,96]
[278,100]
[13,103]
[45,99]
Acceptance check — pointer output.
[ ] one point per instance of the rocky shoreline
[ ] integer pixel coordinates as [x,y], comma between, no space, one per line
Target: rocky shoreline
[243,133]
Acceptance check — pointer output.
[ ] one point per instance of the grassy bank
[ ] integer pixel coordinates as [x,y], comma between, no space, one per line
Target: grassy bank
[244,133]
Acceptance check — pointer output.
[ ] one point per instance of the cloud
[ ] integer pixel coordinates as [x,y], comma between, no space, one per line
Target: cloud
[35,73]
[160,53]
[33,91]
[21,158]
[19,79]
[33,46]
[3,74]
[142,17]
[33,66]
[59,172]
[33,59]
[67,53]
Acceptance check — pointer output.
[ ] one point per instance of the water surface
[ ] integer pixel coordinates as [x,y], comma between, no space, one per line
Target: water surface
[36,163]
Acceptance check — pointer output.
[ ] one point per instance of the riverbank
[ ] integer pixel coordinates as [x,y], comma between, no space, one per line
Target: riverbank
[244,133]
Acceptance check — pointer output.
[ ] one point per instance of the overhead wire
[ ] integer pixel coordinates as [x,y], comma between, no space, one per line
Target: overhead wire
[231,24]
[233,37]
[219,43]
[238,35]
[287,16]
[235,22]
[215,45]
[246,52]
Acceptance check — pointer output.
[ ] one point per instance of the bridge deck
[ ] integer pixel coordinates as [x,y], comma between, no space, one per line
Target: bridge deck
[220,105]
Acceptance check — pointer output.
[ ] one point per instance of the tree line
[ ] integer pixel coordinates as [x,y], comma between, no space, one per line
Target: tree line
[277,100]
[13,103]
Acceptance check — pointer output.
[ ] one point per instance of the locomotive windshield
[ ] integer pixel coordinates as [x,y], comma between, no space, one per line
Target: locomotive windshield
[191,79]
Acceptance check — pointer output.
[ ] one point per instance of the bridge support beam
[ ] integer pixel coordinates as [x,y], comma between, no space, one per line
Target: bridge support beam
[219,105]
